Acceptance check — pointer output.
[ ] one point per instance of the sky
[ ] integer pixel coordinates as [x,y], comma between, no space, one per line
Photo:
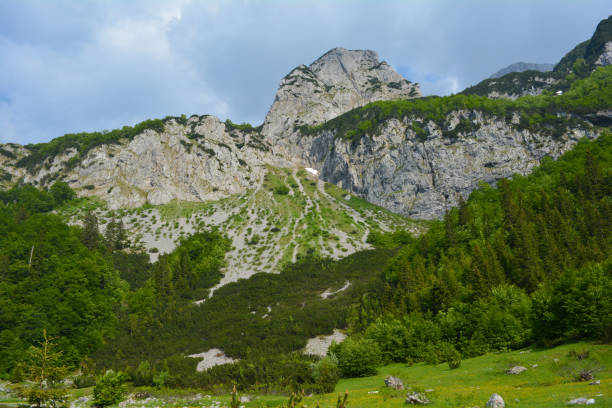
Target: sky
[90,65]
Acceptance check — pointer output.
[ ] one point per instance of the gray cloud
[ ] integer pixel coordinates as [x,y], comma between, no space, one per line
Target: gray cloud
[70,66]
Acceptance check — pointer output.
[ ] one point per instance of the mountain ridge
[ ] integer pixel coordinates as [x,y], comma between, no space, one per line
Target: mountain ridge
[417,164]
[521,67]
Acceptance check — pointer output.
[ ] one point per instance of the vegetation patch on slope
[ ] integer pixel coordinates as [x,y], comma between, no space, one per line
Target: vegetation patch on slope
[548,114]
[83,143]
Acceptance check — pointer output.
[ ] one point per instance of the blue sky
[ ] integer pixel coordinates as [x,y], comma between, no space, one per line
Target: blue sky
[85,65]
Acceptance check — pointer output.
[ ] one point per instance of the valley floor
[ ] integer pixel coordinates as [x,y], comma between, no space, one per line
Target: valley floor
[549,381]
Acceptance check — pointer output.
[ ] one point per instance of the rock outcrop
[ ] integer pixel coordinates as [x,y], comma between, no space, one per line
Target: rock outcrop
[200,160]
[605,58]
[423,177]
[335,83]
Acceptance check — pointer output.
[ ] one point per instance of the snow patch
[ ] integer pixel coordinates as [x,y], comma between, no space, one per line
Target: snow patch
[312,171]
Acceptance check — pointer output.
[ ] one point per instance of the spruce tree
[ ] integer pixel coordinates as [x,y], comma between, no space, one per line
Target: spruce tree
[91,234]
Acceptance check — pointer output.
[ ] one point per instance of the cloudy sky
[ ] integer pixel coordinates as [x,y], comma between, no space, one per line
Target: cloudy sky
[85,65]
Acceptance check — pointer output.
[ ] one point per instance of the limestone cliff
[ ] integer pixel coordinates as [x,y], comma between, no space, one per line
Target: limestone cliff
[202,159]
[422,176]
[335,83]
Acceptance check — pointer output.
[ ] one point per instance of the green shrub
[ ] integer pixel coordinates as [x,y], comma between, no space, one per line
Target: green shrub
[110,389]
[143,375]
[84,381]
[357,357]
[281,190]
[61,192]
[452,356]
[326,373]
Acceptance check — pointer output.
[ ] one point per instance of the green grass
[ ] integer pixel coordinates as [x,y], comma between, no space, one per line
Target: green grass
[550,384]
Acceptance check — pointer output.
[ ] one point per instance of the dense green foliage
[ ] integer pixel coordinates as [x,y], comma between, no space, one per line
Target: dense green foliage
[110,389]
[545,114]
[192,268]
[262,321]
[49,279]
[525,262]
[245,127]
[357,357]
[83,142]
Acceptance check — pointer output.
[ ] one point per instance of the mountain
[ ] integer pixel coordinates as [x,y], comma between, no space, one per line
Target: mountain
[578,63]
[337,82]
[596,52]
[194,242]
[521,67]
[397,154]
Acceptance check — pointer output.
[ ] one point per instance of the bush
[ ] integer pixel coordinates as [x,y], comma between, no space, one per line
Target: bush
[281,190]
[452,356]
[357,358]
[62,192]
[143,374]
[84,381]
[326,374]
[109,389]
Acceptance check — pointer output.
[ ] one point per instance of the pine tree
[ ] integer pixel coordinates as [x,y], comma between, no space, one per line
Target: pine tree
[91,234]
[115,237]
[45,371]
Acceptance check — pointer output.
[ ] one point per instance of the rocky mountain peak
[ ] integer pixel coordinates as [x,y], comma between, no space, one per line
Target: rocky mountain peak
[338,81]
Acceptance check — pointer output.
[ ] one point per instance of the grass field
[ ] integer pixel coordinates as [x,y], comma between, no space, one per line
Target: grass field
[550,380]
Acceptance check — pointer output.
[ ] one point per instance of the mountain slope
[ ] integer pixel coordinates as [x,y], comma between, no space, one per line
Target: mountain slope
[290,215]
[521,67]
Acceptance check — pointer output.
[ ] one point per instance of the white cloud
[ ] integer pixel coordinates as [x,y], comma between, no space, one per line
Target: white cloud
[71,66]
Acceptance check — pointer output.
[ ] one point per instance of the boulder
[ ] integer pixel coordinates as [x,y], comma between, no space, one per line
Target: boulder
[516,370]
[496,401]
[394,382]
[582,401]
[416,398]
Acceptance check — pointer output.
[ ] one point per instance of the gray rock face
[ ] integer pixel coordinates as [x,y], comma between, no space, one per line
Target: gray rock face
[394,382]
[606,56]
[335,83]
[423,178]
[496,401]
[522,67]
[156,168]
